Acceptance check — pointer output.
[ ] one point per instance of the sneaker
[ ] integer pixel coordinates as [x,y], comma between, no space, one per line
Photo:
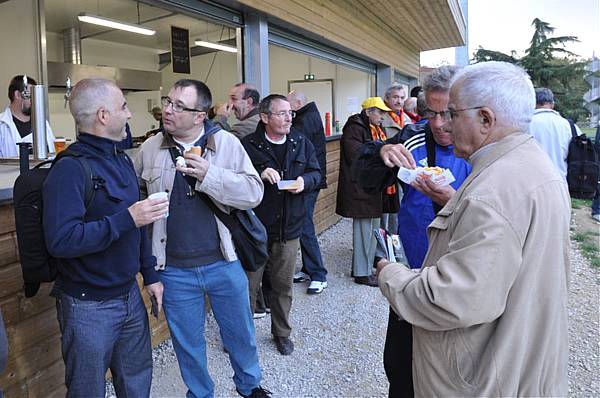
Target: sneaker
[257,392]
[259,313]
[370,280]
[316,287]
[284,345]
[596,217]
[300,277]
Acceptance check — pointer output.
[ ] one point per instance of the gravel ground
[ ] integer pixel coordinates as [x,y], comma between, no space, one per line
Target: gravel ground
[339,337]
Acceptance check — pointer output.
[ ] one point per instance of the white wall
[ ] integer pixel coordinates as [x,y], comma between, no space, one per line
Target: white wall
[350,86]
[18,41]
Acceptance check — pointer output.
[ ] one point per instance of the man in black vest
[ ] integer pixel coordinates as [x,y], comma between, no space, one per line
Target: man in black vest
[287,164]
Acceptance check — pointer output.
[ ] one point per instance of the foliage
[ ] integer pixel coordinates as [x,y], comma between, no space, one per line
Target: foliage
[563,75]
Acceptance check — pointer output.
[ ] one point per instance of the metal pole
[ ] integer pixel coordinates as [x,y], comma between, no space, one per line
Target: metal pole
[38,122]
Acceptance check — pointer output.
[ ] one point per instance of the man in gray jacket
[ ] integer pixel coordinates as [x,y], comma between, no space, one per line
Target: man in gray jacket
[195,253]
[489,305]
[243,102]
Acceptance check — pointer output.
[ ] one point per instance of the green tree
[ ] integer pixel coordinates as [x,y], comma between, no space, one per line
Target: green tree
[550,65]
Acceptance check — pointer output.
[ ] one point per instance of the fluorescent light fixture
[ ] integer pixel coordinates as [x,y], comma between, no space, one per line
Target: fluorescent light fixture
[215,46]
[113,23]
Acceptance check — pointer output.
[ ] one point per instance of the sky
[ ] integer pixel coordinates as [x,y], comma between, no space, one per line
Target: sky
[505,25]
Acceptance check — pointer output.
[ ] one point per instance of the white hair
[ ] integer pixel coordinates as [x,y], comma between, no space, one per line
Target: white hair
[504,87]
[87,97]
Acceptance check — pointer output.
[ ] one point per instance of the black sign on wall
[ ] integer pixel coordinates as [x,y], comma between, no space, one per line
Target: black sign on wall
[180,50]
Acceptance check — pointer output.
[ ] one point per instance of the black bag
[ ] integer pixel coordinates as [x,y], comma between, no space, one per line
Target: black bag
[583,166]
[248,233]
[37,265]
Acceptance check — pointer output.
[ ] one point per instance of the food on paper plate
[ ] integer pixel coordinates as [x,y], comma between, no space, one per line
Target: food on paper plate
[433,170]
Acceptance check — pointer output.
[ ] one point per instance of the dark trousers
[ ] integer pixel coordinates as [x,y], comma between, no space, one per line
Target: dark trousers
[397,357]
[312,262]
[3,349]
[280,267]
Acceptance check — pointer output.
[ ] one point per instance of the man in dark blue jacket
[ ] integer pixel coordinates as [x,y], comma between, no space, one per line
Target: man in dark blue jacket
[281,156]
[101,249]
[308,122]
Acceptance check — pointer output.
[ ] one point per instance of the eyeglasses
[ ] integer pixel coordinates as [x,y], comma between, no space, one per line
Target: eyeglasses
[177,107]
[429,114]
[454,112]
[291,114]
[26,94]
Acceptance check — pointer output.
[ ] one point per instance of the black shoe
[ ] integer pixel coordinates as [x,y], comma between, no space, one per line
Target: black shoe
[257,392]
[370,280]
[284,345]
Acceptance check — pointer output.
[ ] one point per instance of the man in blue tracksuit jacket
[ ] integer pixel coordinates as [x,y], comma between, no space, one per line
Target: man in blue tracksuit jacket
[101,249]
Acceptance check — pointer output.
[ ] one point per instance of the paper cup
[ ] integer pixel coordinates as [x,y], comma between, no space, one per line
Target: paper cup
[160,195]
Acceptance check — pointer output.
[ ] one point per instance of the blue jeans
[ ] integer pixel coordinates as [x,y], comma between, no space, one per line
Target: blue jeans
[312,262]
[98,335]
[183,300]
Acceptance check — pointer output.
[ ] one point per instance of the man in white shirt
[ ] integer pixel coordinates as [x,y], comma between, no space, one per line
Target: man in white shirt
[15,121]
[550,129]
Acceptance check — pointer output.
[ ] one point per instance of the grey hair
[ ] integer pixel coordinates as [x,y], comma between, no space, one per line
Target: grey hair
[393,87]
[440,79]
[297,96]
[411,104]
[87,97]
[421,104]
[543,96]
[501,86]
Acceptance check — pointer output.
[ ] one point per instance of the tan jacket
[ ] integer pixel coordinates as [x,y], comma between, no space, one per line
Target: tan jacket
[392,128]
[489,305]
[231,181]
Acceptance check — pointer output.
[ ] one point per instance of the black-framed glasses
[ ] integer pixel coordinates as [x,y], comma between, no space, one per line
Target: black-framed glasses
[291,114]
[454,112]
[430,114]
[177,107]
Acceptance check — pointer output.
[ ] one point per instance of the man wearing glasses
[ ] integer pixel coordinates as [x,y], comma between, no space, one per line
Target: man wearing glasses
[15,121]
[418,145]
[288,165]
[194,251]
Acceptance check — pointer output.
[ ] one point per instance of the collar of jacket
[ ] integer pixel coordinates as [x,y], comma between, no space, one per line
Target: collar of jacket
[498,150]
[387,121]
[250,114]
[258,139]
[209,128]
[310,107]
[101,146]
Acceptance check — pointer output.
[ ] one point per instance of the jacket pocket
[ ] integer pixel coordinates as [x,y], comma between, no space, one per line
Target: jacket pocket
[462,363]
[152,179]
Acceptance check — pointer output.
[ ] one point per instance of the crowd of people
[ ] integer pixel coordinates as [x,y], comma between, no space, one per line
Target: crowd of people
[484,267]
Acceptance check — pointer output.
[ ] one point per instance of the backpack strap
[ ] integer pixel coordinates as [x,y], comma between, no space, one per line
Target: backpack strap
[91,183]
[573,129]
[430,148]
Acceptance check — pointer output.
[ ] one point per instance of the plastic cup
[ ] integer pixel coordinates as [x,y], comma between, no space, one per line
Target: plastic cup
[160,195]
[59,144]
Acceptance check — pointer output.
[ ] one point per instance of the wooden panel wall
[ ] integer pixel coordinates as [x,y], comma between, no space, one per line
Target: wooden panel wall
[324,215]
[349,25]
[35,366]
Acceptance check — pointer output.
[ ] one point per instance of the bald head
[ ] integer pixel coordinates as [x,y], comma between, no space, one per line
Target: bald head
[243,98]
[91,99]
[296,99]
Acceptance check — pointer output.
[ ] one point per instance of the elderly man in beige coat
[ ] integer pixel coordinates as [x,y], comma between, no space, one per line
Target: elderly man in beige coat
[489,305]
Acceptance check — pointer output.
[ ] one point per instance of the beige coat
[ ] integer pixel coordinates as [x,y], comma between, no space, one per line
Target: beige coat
[231,181]
[390,127]
[489,305]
